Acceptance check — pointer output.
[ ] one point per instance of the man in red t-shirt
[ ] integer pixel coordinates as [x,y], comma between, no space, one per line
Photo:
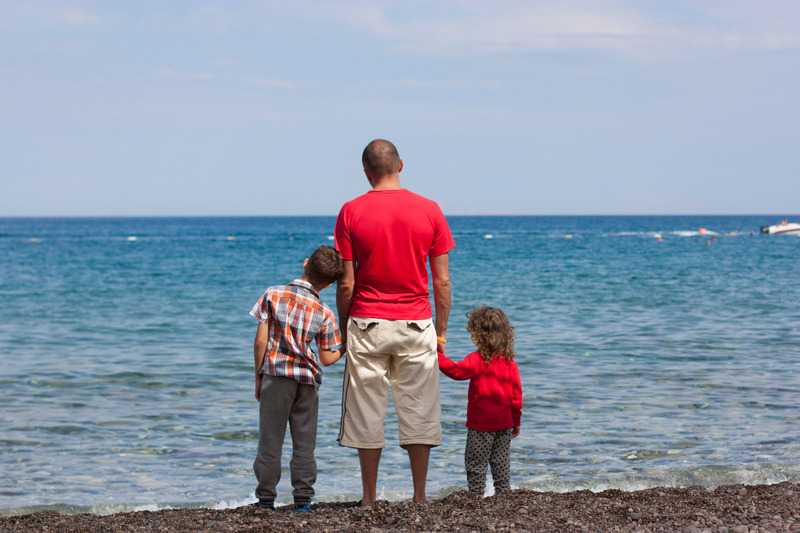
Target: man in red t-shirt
[386,238]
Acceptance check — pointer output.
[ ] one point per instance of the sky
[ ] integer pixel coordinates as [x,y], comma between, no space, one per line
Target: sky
[259,107]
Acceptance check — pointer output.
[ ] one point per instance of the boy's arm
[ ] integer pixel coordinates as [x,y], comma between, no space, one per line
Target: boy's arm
[260,353]
[440,272]
[328,357]
[327,339]
[345,290]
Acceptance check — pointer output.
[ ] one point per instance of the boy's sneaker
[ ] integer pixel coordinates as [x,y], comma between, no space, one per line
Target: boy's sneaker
[302,508]
[263,505]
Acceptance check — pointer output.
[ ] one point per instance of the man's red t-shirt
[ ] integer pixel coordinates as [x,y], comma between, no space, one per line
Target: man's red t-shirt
[389,235]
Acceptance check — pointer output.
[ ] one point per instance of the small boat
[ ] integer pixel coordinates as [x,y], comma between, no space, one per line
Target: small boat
[782,228]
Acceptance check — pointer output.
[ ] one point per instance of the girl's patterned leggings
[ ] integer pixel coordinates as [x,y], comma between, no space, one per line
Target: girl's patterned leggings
[486,448]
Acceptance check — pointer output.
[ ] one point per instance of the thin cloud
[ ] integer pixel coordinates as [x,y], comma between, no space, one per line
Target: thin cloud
[411,83]
[46,15]
[159,111]
[78,17]
[168,73]
[274,82]
[472,26]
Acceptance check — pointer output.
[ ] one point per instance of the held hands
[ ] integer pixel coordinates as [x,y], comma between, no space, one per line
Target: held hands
[515,432]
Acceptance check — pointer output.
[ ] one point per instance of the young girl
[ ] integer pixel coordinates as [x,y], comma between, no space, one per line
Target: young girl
[494,408]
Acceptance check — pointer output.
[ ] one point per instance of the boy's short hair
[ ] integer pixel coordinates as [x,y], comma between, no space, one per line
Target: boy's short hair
[324,266]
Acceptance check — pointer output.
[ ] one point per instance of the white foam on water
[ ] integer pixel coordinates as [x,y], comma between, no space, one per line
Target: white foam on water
[152,507]
[233,504]
[694,233]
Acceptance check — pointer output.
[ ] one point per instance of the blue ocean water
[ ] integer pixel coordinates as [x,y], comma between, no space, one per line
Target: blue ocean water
[126,352]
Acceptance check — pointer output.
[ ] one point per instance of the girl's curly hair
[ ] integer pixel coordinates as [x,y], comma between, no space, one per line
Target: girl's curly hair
[492,333]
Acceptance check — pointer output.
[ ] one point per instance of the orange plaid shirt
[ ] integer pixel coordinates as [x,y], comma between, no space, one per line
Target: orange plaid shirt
[296,317]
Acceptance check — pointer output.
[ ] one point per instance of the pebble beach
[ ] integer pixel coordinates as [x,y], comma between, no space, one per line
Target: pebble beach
[726,509]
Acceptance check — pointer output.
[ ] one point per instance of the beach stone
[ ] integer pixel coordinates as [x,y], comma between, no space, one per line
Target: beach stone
[684,510]
[636,516]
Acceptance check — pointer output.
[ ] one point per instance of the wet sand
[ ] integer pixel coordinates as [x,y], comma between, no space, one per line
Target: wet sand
[728,509]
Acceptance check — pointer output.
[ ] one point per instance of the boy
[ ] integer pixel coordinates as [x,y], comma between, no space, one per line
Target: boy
[288,374]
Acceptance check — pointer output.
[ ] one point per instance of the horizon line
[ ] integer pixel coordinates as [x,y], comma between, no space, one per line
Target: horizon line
[62,216]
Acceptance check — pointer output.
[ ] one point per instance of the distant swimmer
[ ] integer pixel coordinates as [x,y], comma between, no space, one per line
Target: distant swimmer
[701,231]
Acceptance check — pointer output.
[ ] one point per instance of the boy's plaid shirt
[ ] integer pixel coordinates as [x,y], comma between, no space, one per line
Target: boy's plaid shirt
[296,318]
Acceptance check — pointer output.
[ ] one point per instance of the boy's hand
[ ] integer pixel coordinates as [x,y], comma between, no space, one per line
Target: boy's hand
[259,379]
[515,432]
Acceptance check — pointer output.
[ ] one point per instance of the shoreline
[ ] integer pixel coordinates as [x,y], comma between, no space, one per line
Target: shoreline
[726,509]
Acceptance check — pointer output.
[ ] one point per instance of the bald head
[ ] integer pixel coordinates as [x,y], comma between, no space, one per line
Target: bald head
[380,158]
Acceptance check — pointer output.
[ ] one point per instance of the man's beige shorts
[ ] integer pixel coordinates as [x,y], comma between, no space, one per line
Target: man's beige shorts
[402,352]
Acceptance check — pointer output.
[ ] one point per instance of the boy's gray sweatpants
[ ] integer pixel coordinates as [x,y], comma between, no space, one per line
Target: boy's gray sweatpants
[486,448]
[283,400]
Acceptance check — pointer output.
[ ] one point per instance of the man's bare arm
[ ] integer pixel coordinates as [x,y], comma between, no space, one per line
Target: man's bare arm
[345,290]
[440,272]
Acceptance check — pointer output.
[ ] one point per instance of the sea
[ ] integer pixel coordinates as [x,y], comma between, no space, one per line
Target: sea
[654,351]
